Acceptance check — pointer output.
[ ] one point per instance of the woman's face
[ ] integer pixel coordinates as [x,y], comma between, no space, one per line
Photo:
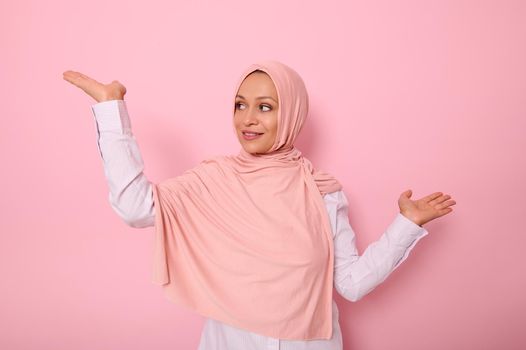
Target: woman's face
[256,111]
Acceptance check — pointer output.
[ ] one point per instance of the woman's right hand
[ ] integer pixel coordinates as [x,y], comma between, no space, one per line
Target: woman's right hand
[100,92]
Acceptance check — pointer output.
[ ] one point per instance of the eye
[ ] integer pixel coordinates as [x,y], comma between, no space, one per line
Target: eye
[238,104]
[269,107]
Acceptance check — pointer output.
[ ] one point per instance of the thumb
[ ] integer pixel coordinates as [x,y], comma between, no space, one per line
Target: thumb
[407,194]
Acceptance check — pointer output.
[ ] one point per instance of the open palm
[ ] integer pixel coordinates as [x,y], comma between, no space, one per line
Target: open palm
[425,209]
[99,91]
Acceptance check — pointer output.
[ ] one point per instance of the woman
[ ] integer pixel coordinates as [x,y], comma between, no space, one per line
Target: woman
[255,241]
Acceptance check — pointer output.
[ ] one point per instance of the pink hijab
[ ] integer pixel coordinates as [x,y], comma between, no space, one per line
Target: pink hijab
[245,239]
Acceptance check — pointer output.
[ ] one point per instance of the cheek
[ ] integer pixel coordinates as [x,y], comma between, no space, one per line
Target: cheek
[274,125]
[235,121]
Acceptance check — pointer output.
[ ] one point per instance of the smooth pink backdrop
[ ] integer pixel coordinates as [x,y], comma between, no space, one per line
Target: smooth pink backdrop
[427,95]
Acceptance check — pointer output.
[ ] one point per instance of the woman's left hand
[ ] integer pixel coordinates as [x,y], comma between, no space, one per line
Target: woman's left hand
[425,209]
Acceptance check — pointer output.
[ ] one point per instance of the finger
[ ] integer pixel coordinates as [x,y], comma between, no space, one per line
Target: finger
[445,211]
[446,204]
[84,76]
[440,199]
[70,75]
[84,82]
[406,194]
[432,196]
[75,78]
[78,78]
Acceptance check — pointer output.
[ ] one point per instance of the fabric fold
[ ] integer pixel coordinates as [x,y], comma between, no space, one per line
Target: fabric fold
[245,239]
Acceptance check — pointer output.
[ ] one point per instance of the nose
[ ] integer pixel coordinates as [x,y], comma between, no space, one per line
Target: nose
[250,117]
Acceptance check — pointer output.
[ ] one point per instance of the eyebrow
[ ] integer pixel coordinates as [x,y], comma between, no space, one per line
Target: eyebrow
[259,98]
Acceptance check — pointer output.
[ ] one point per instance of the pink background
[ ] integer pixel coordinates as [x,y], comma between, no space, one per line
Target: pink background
[427,95]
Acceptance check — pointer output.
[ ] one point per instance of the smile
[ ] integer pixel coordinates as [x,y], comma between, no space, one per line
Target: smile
[251,136]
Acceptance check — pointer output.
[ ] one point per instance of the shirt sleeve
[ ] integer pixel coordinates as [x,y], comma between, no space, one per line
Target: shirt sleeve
[355,275]
[130,192]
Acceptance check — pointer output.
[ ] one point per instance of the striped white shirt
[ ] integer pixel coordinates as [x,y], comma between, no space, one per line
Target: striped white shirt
[130,195]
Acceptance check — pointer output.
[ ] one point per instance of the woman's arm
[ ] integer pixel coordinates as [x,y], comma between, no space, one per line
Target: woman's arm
[355,275]
[131,195]
[130,191]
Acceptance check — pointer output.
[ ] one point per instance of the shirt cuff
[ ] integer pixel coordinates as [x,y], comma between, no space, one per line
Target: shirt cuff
[112,115]
[405,230]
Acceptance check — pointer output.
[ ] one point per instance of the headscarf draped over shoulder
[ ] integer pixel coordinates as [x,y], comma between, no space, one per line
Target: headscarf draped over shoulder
[245,239]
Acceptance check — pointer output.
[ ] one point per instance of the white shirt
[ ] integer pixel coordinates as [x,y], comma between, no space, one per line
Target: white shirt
[131,197]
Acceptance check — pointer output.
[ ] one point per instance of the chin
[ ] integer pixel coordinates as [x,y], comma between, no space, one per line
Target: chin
[254,150]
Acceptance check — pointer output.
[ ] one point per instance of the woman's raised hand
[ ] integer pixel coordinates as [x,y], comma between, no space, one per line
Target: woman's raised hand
[100,92]
[425,209]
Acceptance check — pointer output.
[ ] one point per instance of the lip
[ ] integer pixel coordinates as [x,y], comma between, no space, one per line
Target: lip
[249,138]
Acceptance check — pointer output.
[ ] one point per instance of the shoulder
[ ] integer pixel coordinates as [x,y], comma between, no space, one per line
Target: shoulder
[336,198]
